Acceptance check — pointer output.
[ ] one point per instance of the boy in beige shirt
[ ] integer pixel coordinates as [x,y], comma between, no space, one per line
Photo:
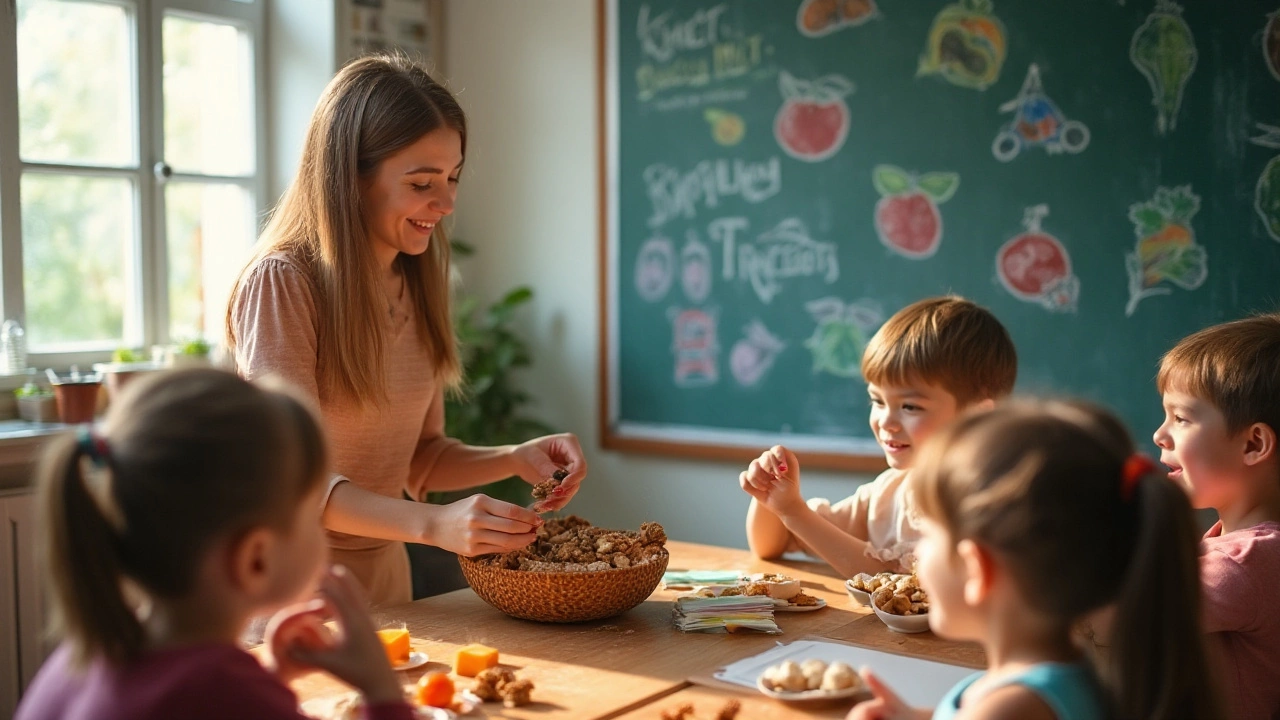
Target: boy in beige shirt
[931,361]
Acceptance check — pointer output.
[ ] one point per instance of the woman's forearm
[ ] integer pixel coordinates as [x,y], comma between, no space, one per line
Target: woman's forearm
[466,466]
[356,511]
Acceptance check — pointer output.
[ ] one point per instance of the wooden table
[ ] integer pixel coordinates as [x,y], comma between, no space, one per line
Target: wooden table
[637,664]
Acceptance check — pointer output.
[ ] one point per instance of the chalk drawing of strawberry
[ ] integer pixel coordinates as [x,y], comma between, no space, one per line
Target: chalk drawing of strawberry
[813,121]
[1166,248]
[907,218]
[1035,267]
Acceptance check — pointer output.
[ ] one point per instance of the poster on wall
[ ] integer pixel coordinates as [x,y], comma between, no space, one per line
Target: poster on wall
[410,26]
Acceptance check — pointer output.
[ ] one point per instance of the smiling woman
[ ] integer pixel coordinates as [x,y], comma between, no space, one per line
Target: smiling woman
[348,298]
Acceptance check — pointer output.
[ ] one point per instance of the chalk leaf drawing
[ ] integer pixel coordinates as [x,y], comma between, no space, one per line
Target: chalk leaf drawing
[1037,122]
[1035,267]
[1166,249]
[813,122]
[727,128]
[966,45]
[696,348]
[1267,193]
[815,18]
[753,355]
[1164,51]
[907,218]
[655,269]
[841,334]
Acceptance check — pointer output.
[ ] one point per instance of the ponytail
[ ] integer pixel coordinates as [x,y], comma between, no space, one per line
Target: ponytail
[1158,669]
[81,539]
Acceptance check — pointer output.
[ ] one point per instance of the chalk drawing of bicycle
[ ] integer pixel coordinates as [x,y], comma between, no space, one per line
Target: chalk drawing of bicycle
[1037,122]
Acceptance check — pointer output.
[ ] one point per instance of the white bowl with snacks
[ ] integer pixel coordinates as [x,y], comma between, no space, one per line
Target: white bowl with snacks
[810,681]
[861,597]
[903,623]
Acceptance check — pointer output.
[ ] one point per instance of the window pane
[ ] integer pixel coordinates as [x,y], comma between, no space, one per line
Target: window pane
[210,229]
[208,98]
[75,83]
[77,259]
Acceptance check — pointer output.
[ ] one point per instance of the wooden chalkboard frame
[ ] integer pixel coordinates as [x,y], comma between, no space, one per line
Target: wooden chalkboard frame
[720,446]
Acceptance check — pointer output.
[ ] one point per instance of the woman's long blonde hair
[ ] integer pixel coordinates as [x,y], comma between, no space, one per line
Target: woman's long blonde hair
[372,108]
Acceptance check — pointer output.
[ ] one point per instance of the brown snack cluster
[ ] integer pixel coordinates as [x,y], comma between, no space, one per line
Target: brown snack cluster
[499,683]
[803,599]
[544,489]
[894,593]
[728,711]
[572,544]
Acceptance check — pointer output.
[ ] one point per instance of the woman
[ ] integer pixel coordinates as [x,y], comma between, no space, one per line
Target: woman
[347,297]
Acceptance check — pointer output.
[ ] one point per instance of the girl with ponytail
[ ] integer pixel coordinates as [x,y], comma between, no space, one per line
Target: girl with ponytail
[193,507]
[1034,516]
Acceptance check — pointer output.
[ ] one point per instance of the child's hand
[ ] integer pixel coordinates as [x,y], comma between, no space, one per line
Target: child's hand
[354,656]
[773,479]
[297,626]
[885,705]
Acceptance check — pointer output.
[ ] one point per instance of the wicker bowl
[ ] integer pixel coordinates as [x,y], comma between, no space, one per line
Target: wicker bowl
[564,597]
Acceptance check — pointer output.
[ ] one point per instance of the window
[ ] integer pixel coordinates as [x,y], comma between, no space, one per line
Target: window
[131,168]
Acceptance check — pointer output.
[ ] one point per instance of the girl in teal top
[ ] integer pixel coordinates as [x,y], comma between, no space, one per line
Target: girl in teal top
[1034,516]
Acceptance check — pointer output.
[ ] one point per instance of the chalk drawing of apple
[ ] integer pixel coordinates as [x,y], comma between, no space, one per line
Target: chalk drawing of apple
[907,218]
[813,121]
[753,355]
[1035,267]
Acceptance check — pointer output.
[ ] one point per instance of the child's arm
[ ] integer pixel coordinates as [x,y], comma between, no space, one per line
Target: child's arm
[778,512]
[885,703]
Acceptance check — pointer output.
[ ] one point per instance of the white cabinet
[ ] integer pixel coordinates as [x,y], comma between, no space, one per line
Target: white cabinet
[22,608]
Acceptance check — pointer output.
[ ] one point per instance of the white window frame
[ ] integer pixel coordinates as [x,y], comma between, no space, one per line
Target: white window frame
[147,312]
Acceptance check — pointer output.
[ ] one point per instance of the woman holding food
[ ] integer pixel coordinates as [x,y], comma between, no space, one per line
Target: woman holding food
[347,297]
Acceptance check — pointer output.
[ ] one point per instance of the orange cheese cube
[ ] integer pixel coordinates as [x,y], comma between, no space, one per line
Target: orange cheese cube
[474,658]
[396,642]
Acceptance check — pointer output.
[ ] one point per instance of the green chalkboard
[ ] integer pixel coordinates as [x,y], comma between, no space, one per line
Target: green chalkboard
[780,177]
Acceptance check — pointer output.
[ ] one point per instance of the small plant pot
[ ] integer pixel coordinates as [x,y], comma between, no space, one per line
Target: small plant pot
[77,400]
[178,361]
[117,375]
[38,408]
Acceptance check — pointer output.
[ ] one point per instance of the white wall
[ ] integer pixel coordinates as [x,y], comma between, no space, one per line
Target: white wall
[526,74]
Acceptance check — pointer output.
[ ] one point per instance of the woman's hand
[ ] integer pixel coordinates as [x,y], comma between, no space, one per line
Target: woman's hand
[773,479]
[538,460]
[479,524]
[299,641]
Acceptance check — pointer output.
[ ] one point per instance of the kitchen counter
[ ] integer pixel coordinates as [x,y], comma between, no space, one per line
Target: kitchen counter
[20,446]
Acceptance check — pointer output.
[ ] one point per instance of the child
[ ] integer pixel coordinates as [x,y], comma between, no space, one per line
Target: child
[1221,391]
[193,508]
[930,361]
[1033,516]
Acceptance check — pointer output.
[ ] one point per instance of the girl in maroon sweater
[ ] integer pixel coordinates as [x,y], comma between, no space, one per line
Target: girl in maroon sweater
[194,507]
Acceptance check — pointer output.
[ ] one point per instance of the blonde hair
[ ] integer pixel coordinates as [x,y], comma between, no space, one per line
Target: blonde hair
[1043,486]
[948,341]
[1235,366]
[372,108]
[183,459]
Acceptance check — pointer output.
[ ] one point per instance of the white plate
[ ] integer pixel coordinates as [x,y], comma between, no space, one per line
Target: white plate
[810,695]
[862,597]
[784,606]
[416,660]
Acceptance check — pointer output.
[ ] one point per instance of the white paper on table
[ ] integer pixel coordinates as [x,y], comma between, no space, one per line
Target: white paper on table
[921,683]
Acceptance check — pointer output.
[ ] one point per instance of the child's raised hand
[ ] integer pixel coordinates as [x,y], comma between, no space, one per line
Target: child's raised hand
[885,703]
[297,626]
[354,656]
[773,479]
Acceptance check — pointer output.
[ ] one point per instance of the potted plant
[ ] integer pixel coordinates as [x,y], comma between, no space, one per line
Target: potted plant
[191,353]
[36,403]
[489,410]
[125,364]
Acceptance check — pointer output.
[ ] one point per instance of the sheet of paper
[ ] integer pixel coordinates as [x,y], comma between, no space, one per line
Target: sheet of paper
[921,683]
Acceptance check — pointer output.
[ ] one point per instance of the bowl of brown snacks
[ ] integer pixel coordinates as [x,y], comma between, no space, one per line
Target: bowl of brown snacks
[901,604]
[573,572]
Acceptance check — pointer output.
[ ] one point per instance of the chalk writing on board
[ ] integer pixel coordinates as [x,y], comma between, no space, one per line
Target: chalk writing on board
[1034,266]
[1166,249]
[1271,44]
[906,217]
[841,334]
[655,269]
[1164,51]
[1037,122]
[692,50]
[784,252]
[1267,192]
[695,346]
[676,194]
[753,355]
[813,121]
[966,45]
[816,18]
[695,269]
[727,128]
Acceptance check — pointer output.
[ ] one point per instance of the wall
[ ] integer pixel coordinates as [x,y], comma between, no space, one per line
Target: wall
[526,75]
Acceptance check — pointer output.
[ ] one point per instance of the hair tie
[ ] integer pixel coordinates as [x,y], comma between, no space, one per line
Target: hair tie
[97,476]
[1135,467]
[93,445]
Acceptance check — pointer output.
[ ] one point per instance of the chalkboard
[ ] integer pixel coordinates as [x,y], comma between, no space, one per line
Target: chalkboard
[778,178]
